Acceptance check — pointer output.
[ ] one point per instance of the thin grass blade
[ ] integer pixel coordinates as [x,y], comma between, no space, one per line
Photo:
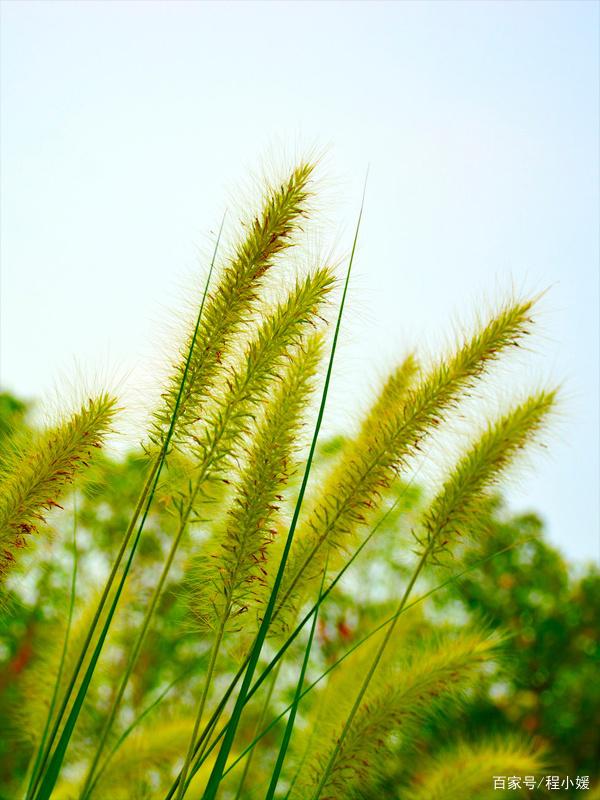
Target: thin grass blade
[54,699]
[287,735]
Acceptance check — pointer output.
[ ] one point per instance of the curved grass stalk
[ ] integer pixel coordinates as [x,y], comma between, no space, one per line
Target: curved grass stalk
[221,760]
[144,502]
[34,478]
[207,683]
[294,708]
[98,613]
[259,726]
[54,698]
[474,474]
[54,765]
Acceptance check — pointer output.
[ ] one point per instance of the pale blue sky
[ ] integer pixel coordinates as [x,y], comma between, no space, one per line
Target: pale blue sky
[127,126]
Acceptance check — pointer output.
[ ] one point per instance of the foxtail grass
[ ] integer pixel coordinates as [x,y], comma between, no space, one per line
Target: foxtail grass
[238,568]
[221,760]
[457,508]
[381,626]
[225,441]
[230,306]
[50,765]
[407,690]
[229,586]
[34,478]
[228,309]
[214,446]
[476,473]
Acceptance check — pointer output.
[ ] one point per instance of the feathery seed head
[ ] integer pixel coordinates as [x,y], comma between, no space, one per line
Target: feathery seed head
[34,479]
[328,520]
[407,690]
[455,510]
[229,307]
[226,586]
[391,396]
[264,362]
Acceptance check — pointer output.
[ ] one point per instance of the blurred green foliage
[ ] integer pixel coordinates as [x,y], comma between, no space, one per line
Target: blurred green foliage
[552,612]
[548,688]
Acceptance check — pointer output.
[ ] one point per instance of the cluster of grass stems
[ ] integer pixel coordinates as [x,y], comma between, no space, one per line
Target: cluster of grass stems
[233,438]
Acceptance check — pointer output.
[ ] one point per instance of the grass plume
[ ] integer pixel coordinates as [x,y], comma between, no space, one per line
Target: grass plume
[480,468]
[407,690]
[231,582]
[455,510]
[224,464]
[230,305]
[36,478]
[217,439]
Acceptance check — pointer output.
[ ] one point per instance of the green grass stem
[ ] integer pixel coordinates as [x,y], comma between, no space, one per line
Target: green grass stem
[207,682]
[287,735]
[54,699]
[90,634]
[259,727]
